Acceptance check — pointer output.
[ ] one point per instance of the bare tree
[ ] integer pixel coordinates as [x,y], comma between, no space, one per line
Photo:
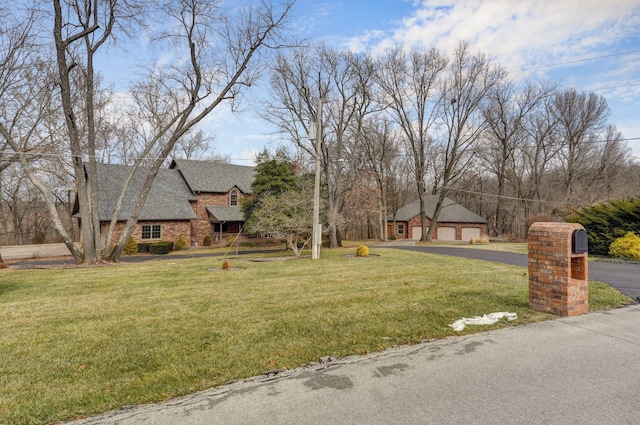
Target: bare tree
[25,89]
[380,146]
[580,117]
[505,116]
[343,81]
[287,216]
[464,92]
[408,84]
[215,54]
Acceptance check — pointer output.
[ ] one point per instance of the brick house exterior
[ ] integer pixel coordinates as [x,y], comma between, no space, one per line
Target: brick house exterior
[192,199]
[170,230]
[455,222]
[219,190]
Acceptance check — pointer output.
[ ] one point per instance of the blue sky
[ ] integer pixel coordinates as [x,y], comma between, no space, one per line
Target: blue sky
[593,45]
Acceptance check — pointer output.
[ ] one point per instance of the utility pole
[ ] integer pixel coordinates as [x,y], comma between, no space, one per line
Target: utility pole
[317,227]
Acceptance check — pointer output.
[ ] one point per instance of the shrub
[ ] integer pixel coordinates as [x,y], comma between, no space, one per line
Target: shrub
[180,244]
[143,247]
[38,238]
[607,222]
[627,247]
[481,240]
[392,237]
[206,241]
[362,251]
[131,247]
[161,247]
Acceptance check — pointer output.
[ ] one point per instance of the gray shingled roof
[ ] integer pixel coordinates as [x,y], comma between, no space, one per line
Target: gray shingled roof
[221,214]
[168,198]
[215,177]
[451,212]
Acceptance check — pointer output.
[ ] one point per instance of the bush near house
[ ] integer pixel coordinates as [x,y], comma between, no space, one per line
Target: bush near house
[206,241]
[607,221]
[180,244]
[162,247]
[143,247]
[131,247]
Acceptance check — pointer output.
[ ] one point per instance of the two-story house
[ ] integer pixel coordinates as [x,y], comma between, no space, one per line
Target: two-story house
[192,199]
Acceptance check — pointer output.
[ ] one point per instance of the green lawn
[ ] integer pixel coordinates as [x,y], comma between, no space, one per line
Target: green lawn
[77,342]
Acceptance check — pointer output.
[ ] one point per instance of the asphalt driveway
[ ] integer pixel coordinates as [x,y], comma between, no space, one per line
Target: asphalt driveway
[625,277]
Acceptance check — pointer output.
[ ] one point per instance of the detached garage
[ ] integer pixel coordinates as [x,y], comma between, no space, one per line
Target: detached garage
[456,223]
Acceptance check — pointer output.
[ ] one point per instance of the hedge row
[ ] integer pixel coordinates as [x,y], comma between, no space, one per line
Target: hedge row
[608,221]
[161,247]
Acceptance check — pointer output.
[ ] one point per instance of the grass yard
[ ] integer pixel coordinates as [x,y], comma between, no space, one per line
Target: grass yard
[78,342]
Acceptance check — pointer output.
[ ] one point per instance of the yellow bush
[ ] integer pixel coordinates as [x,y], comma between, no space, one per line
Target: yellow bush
[131,246]
[627,247]
[362,251]
[180,244]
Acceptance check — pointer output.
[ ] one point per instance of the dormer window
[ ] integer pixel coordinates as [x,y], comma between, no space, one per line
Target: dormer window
[233,199]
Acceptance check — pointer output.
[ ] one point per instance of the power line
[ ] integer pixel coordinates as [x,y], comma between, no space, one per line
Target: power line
[491,195]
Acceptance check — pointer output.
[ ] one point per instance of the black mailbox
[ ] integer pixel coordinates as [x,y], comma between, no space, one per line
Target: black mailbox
[579,242]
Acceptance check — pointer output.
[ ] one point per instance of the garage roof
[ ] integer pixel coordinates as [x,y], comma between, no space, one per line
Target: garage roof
[451,212]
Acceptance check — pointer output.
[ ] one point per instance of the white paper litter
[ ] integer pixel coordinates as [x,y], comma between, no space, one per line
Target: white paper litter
[487,319]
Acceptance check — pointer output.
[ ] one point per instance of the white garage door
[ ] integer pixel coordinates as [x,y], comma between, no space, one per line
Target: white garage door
[469,233]
[416,233]
[446,233]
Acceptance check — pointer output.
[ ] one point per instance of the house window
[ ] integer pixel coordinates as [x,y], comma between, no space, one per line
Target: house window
[234,198]
[150,231]
[401,229]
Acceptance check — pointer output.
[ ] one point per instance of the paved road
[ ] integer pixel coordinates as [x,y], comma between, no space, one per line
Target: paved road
[14,252]
[625,277]
[579,370]
[34,256]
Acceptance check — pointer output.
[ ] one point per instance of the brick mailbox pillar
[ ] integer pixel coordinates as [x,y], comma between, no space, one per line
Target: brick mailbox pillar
[558,268]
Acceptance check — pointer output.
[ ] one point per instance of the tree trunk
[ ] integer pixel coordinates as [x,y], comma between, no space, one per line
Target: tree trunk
[436,214]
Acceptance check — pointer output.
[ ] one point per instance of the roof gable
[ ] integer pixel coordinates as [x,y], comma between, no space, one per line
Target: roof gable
[451,211]
[214,177]
[221,213]
[168,198]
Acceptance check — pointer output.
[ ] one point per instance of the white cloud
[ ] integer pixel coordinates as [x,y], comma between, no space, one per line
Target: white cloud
[519,34]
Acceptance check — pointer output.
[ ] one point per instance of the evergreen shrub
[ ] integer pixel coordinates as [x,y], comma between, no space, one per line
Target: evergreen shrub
[180,244]
[362,251]
[206,241]
[143,247]
[162,247]
[607,221]
[131,247]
